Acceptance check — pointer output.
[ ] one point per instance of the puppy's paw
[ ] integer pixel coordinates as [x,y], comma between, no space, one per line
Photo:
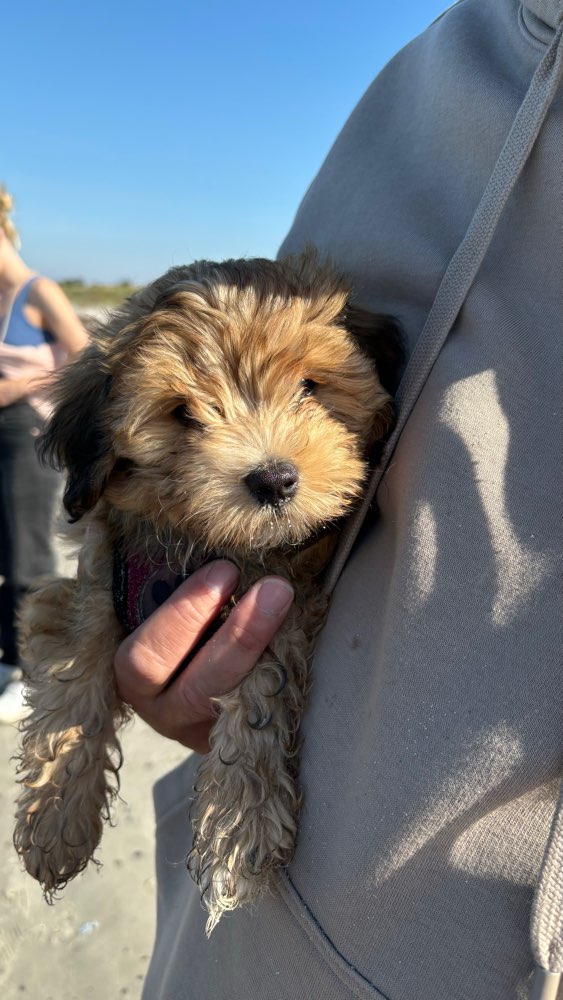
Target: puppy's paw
[69,778]
[54,853]
[245,824]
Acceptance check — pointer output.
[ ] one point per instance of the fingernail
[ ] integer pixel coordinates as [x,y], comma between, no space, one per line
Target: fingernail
[274,596]
[222,576]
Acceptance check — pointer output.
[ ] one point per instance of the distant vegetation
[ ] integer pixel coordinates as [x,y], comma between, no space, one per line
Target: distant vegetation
[83,295]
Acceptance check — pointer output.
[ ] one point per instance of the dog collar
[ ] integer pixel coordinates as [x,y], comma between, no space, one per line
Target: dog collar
[139,587]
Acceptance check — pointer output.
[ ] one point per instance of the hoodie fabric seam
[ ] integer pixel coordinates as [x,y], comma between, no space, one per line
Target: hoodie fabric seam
[346,973]
[532,40]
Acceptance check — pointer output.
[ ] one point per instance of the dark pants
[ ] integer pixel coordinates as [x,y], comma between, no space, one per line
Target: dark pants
[27,500]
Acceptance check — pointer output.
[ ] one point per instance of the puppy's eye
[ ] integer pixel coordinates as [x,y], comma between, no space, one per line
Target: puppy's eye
[308,386]
[183,416]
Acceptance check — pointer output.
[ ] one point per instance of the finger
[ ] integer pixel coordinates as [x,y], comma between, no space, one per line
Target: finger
[185,710]
[146,660]
[235,648]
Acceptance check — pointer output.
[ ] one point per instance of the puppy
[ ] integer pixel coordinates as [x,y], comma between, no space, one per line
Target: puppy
[227,410]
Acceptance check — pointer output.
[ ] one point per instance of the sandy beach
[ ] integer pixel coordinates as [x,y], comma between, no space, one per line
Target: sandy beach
[95,942]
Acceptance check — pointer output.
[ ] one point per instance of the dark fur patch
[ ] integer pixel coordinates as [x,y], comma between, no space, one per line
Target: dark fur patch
[381,338]
[76,437]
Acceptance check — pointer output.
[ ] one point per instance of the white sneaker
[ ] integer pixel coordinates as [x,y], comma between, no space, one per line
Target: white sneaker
[13,705]
[8,673]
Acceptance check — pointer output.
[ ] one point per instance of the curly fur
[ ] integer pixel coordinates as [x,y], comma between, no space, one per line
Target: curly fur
[212,373]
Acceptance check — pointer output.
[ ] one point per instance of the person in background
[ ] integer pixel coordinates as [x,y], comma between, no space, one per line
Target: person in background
[38,331]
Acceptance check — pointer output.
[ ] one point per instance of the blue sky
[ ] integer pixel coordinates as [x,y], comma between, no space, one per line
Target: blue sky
[141,135]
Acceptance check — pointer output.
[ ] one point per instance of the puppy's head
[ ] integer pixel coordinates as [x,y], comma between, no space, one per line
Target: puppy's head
[237,402]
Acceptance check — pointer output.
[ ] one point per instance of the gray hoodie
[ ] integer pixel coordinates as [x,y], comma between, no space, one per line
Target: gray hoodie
[429,864]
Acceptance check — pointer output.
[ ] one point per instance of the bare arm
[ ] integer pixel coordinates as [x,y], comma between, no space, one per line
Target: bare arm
[13,389]
[58,315]
[147,659]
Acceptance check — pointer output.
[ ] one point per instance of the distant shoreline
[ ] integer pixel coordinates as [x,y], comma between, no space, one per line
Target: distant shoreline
[88,297]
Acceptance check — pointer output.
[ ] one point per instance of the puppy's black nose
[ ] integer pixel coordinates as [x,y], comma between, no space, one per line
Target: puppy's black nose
[273,484]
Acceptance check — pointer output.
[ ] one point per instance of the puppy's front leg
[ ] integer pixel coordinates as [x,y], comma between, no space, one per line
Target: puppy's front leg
[246,806]
[70,754]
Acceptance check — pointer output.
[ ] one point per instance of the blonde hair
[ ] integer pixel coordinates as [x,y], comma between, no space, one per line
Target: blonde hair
[6,207]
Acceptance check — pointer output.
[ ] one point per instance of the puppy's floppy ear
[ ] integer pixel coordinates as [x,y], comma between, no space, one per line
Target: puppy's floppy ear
[381,338]
[77,436]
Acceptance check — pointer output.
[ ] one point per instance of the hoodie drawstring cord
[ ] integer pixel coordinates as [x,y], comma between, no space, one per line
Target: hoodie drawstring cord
[460,274]
[546,926]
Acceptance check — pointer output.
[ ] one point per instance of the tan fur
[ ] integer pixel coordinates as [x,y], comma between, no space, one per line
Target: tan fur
[202,378]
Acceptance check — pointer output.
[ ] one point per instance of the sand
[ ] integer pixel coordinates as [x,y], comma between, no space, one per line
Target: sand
[95,942]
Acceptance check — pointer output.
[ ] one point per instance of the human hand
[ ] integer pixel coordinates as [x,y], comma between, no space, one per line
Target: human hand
[12,390]
[183,710]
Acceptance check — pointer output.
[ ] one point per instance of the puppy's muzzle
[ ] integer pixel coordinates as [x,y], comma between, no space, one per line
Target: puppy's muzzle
[273,484]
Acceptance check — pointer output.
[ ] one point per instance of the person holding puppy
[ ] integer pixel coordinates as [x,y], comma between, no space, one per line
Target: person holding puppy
[38,329]
[428,862]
